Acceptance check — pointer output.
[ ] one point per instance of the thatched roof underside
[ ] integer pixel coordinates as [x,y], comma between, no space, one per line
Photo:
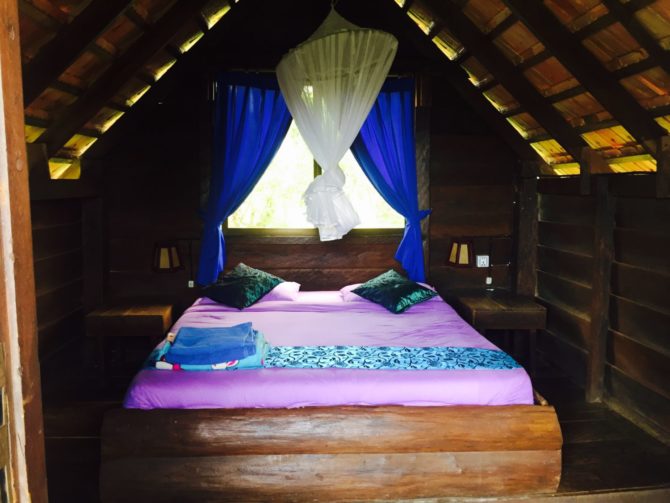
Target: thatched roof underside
[581,81]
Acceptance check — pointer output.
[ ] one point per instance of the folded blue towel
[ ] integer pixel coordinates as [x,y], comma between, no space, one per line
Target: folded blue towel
[206,346]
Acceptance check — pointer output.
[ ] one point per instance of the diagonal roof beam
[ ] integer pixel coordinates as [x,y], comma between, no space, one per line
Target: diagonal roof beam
[508,75]
[589,71]
[626,16]
[458,79]
[123,68]
[54,58]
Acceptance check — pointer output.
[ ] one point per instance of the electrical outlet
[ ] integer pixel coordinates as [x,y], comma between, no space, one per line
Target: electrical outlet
[191,283]
[482,260]
[489,280]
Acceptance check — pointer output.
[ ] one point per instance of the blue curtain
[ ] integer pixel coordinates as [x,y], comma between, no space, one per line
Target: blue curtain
[385,150]
[250,123]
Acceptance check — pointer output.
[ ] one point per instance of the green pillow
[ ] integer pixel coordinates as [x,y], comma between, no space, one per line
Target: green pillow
[241,287]
[393,291]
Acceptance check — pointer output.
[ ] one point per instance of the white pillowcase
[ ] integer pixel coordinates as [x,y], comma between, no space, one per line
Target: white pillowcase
[288,290]
[349,296]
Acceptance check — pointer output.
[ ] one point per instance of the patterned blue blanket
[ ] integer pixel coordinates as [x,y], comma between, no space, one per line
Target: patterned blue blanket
[388,358]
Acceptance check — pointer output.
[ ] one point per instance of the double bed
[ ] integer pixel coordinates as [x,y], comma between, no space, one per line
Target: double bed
[331,433]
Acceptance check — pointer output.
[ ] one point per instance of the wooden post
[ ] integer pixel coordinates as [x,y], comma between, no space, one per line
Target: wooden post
[422,141]
[603,254]
[526,238]
[18,319]
[663,167]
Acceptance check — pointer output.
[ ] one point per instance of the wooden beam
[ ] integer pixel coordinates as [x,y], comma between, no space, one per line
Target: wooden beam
[603,254]
[663,168]
[457,78]
[508,75]
[67,45]
[125,67]
[589,71]
[526,236]
[23,433]
[625,14]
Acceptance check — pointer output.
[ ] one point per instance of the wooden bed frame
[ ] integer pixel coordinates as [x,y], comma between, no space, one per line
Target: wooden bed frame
[329,453]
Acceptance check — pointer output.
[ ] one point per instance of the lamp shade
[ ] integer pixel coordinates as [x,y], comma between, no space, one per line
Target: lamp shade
[167,258]
[460,253]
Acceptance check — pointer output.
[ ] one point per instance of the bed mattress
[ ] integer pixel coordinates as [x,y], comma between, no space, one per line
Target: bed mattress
[324,319]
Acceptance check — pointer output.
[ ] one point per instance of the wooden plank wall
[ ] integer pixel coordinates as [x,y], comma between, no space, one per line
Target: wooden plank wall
[637,365]
[472,195]
[58,259]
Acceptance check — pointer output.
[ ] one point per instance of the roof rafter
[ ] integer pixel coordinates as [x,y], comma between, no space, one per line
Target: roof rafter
[125,67]
[626,16]
[583,65]
[457,78]
[52,60]
[508,75]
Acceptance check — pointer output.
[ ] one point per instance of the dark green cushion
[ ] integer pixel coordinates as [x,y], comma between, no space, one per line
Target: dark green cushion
[241,287]
[393,291]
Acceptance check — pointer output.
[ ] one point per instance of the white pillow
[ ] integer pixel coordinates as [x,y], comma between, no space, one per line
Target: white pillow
[349,296]
[288,290]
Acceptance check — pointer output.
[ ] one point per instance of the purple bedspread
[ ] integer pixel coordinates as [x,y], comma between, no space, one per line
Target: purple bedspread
[323,318]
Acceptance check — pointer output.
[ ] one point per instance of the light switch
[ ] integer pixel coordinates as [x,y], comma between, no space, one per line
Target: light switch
[482,260]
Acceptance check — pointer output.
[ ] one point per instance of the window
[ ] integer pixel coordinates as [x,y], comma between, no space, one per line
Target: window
[276,201]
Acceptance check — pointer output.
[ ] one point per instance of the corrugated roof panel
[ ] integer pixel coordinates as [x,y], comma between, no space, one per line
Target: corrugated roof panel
[160,64]
[85,70]
[526,125]
[448,44]
[501,99]
[401,3]
[76,146]
[49,102]
[615,47]
[518,43]
[576,14]
[633,164]
[486,14]
[187,36]
[103,120]
[582,109]
[612,142]
[64,169]
[656,19]
[119,36]
[32,133]
[71,8]
[422,16]
[664,122]
[214,11]
[564,169]
[477,74]
[131,91]
[551,151]
[550,77]
[649,88]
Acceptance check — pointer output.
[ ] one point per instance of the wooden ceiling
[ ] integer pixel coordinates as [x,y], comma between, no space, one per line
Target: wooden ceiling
[573,85]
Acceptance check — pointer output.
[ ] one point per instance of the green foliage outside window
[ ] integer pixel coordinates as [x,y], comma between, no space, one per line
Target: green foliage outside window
[276,201]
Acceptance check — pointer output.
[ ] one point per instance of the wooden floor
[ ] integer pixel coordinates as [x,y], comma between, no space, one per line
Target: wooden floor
[604,456]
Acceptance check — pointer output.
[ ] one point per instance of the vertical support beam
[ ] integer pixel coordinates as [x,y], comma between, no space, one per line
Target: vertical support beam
[422,105]
[526,237]
[603,254]
[93,252]
[585,171]
[663,167]
[18,318]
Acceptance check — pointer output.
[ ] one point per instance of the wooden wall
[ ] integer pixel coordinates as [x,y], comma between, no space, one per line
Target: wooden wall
[58,259]
[637,340]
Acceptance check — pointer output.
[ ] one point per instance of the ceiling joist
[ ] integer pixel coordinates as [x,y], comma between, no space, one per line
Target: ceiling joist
[123,69]
[54,58]
[581,63]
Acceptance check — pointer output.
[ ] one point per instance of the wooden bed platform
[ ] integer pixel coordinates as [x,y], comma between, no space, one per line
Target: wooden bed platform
[329,453]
